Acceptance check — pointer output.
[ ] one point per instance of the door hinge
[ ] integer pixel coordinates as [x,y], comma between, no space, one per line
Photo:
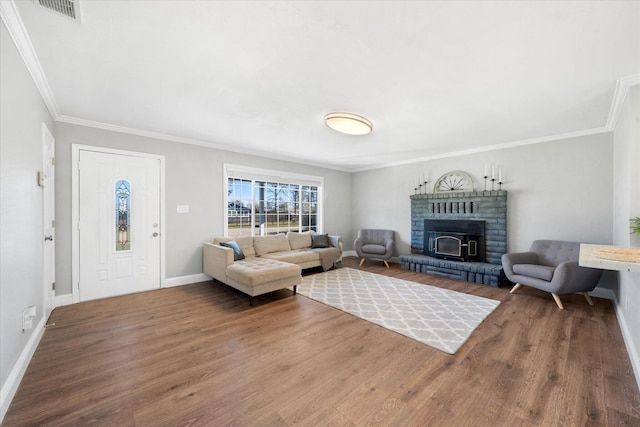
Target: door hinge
[53,223]
[53,161]
[53,286]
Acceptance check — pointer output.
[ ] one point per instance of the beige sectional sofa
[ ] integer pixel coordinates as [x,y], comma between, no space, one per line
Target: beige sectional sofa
[270,262]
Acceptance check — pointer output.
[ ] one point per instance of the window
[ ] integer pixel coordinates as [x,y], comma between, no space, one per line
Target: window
[122,215]
[261,202]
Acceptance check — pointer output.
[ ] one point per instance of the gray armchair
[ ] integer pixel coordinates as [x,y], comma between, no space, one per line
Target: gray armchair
[551,266]
[375,244]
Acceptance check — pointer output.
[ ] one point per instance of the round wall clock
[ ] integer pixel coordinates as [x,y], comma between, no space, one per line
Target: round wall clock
[453,181]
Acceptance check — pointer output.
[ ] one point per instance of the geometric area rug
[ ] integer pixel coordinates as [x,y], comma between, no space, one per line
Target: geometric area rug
[440,318]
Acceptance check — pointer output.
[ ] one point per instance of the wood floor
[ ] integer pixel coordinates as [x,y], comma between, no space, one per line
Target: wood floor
[199,355]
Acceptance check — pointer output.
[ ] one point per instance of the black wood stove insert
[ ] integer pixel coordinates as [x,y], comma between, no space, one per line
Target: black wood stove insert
[459,240]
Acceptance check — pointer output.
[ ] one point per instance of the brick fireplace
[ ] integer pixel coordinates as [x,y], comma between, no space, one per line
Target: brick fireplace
[488,208]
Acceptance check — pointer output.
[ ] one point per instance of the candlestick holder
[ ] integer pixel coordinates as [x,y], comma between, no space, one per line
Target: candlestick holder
[499,185]
[485,182]
[425,187]
[493,184]
[420,189]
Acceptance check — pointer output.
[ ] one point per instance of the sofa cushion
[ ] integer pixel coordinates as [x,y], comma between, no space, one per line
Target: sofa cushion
[374,249]
[245,243]
[294,256]
[266,244]
[555,252]
[257,271]
[542,272]
[237,250]
[299,240]
[320,241]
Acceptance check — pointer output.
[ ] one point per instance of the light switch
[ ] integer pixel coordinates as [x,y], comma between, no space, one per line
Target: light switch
[28,314]
[183,209]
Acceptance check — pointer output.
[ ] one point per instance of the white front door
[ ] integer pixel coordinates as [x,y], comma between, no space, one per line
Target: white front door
[48,182]
[119,224]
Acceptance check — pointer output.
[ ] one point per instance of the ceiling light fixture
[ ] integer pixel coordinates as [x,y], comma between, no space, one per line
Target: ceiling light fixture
[348,123]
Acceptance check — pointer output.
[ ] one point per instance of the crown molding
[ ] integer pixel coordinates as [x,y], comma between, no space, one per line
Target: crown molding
[622,89]
[512,144]
[166,137]
[15,27]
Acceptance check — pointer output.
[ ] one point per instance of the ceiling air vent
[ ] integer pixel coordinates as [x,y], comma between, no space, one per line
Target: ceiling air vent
[69,8]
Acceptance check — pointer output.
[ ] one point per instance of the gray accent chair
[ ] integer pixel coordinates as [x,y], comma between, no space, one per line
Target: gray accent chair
[375,244]
[551,266]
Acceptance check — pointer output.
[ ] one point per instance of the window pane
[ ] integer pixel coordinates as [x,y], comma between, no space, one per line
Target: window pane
[123,215]
[270,207]
[239,207]
[260,208]
[309,206]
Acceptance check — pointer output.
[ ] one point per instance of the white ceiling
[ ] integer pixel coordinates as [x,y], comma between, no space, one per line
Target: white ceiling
[258,77]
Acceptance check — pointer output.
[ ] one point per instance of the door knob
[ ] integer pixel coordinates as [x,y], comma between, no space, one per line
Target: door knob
[155,234]
[50,238]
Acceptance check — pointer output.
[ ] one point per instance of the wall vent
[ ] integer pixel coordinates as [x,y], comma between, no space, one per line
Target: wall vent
[68,8]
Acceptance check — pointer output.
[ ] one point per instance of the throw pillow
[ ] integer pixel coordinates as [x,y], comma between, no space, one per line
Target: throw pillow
[320,241]
[237,251]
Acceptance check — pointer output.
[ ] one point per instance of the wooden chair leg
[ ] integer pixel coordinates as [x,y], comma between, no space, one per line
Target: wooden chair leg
[251,301]
[515,288]
[588,298]
[295,289]
[361,262]
[557,299]
[386,263]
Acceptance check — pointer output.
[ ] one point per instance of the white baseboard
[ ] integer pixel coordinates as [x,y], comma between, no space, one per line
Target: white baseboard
[349,253]
[627,336]
[64,299]
[67,299]
[185,280]
[10,386]
[628,339]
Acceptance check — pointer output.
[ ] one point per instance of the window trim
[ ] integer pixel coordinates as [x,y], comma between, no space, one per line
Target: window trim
[259,174]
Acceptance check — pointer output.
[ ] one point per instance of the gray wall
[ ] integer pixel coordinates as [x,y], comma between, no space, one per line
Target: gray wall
[626,190]
[194,177]
[22,113]
[557,190]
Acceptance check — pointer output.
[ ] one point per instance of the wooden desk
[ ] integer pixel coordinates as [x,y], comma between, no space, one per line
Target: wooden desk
[609,257]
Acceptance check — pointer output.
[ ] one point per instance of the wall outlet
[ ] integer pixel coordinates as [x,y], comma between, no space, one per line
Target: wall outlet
[28,314]
[182,209]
